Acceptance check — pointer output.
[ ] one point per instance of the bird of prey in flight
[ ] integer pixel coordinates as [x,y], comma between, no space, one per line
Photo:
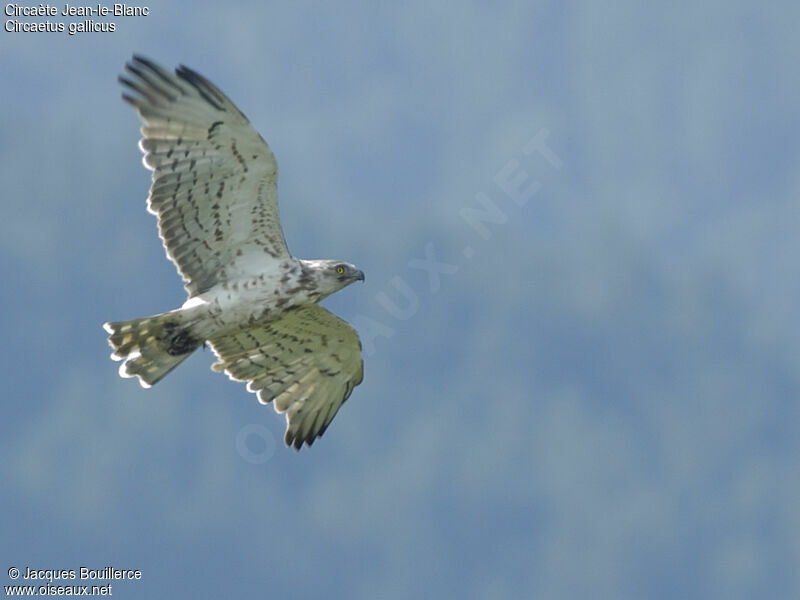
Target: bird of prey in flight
[214,192]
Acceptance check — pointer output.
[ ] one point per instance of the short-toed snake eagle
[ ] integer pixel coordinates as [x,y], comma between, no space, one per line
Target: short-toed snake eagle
[214,192]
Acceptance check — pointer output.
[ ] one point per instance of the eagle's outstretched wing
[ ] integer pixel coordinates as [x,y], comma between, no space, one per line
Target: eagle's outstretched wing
[307,363]
[214,187]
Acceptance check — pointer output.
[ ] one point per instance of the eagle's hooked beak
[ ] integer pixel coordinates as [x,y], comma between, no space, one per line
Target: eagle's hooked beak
[360,275]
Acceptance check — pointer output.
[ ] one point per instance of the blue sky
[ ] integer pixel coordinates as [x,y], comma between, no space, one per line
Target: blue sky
[599,400]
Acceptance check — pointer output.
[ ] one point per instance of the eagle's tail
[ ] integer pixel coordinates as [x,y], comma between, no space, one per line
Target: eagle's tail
[151,347]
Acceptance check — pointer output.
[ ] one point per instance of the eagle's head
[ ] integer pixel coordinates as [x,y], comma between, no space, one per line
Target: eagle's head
[329,276]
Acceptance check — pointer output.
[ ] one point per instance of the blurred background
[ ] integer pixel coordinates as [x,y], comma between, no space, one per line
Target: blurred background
[586,387]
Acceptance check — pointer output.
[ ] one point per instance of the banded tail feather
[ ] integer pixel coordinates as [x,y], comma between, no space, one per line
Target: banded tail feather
[151,347]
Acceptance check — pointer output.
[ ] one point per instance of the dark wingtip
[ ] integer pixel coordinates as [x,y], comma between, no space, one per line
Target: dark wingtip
[297,442]
[138,59]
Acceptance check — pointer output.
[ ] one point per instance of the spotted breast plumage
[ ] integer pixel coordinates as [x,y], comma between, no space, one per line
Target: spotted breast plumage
[214,192]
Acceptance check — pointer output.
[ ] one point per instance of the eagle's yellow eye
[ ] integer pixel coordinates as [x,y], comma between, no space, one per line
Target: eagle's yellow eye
[340,269]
